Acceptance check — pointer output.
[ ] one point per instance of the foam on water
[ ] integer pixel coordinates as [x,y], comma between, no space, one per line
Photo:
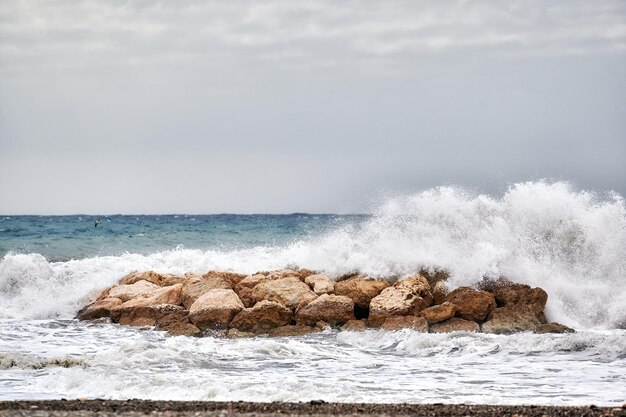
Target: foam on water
[571,243]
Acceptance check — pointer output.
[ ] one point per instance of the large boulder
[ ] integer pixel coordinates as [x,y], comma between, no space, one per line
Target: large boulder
[98,309]
[194,288]
[264,316]
[553,328]
[416,323]
[291,330]
[332,309]
[127,292]
[320,284]
[150,276]
[147,315]
[440,291]
[165,295]
[361,290]
[438,313]
[232,277]
[510,319]
[215,308]
[177,324]
[472,304]
[406,297]
[290,292]
[506,294]
[455,324]
[355,325]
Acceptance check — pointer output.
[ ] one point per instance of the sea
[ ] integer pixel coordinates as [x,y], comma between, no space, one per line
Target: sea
[570,242]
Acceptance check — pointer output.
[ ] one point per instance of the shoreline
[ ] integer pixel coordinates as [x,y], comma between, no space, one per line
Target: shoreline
[99,408]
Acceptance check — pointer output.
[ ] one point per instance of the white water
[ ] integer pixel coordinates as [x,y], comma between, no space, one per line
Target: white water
[573,244]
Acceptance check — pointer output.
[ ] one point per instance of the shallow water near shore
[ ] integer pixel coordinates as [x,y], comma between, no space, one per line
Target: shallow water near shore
[573,244]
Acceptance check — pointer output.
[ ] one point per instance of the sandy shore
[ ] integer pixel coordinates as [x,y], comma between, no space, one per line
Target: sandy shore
[133,408]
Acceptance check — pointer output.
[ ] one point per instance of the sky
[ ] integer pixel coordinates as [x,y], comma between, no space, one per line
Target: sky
[311,106]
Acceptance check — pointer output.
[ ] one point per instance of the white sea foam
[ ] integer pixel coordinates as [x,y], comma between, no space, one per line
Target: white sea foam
[571,243]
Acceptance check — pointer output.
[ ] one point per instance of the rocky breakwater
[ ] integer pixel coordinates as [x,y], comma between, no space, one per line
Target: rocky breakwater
[296,302]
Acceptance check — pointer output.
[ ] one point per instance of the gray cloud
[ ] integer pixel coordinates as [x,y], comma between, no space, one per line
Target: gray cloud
[302,106]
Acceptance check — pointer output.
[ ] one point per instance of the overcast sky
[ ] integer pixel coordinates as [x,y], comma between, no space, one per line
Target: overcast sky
[310,106]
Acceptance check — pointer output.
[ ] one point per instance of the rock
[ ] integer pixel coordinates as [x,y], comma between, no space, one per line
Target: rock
[553,328]
[98,309]
[290,292]
[434,276]
[320,284]
[333,309]
[127,292]
[354,326]
[147,315]
[177,324]
[196,287]
[245,295]
[231,277]
[304,273]
[360,290]
[472,304]
[417,323]
[171,279]
[215,308]
[291,331]
[103,294]
[438,313]
[440,291]
[251,281]
[406,297]
[455,324]
[149,276]
[322,325]
[166,295]
[264,316]
[238,334]
[506,294]
[510,319]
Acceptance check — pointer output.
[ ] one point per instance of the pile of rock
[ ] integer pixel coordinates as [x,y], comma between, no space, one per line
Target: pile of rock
[297,302]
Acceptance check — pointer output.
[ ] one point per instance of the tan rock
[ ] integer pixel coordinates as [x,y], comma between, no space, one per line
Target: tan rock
[320,284]
[455,324]
[440,291]
[417,323]
[98,309]
[231,277]
[285,331]
[553,328]
[510,319]
[472,304]
[264,316]
[150,276]
[333,309]
[177,324]
[361,290]
[245,295]
[406,297]
[251,281]
[147,315]
[194,288]
[509,294]
[290,292]
[164,295]
[434,275]
[238,334]
[215,308]
[438,313]
[127,292]
[171,279]
[354,326]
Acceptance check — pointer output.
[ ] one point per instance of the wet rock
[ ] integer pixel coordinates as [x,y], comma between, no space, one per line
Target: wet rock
[245,295]
[406,297]
[232,277]
[320,284]
[238,334]
[333,309]
[127,292]
[264,316]
[215,308]
[98,309]
[177,324]
[434,276]
[171,279]
[440,291]
[438,313]
[149,276]
[355,325]
[361,290]
[166,295]
[417,323]
[291,331]
[146,315]
[510,319]
[472,304]
[290,292]
[194,288]
[553,328]
[455,324]
[507,293]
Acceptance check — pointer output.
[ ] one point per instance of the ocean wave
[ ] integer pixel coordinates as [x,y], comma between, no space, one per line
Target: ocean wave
[573,244]
[17,360]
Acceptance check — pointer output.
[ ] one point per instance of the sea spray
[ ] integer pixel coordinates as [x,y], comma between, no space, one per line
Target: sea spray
[571,243]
